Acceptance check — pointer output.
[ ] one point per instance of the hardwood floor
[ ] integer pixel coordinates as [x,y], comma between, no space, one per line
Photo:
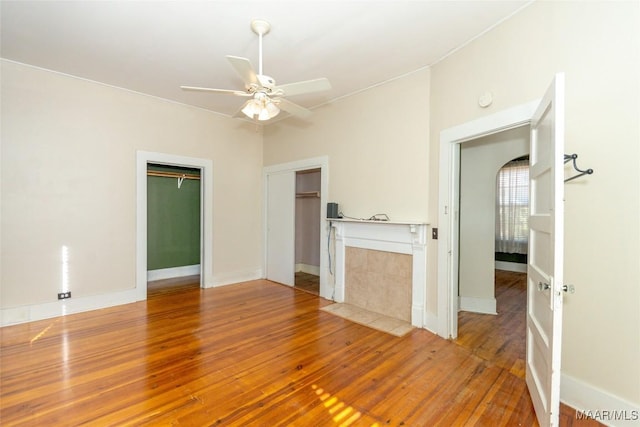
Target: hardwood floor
[501,338]
[255,353]
[179,284]
[307,282]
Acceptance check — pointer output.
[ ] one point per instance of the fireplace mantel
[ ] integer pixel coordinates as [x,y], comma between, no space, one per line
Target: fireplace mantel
[386,236]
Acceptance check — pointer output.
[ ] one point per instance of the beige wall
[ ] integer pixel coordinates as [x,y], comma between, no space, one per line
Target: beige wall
[480,162]
[377,144]
[597,45]
[69,179]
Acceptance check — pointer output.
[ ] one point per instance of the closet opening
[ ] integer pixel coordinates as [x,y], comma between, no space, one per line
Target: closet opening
[174,227]
[307,230]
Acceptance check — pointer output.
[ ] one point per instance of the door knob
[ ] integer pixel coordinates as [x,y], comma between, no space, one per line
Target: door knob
[543,286]
[569,288]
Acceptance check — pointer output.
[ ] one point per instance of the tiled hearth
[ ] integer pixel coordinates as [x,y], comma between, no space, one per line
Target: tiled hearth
[379,281]
[381,267]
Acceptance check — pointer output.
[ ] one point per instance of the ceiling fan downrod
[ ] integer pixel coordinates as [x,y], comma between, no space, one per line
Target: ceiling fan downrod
[260,27]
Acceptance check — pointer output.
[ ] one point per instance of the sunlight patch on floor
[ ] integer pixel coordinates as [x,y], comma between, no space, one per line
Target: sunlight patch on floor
[342,413]
[43,332]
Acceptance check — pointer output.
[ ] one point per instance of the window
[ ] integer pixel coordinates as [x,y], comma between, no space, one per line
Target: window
[512,208]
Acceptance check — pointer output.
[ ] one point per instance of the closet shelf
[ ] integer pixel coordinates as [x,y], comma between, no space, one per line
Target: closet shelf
[307,194]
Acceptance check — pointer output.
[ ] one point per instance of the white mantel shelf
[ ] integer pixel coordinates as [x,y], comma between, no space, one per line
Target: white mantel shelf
[387,236]
[376,221]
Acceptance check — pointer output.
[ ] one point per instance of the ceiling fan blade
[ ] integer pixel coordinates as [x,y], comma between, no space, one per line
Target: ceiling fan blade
[244,69]
[306,86]
[207,89]
[292,108]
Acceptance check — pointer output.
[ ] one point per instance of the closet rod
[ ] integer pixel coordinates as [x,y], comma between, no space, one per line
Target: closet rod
[173,175]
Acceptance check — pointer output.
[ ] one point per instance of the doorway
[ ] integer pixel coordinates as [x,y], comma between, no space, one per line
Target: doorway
[174,231]
[492,302]
[451,141]
[205,166]
[307,240]
[481,159]
[280,220]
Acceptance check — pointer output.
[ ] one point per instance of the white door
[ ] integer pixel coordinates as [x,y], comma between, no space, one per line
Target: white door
[545,269]
[280,263]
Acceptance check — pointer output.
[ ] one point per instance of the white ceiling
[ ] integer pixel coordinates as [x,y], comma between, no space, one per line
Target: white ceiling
[153,47]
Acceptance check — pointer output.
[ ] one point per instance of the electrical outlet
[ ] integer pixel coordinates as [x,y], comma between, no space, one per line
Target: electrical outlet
[434,233]
[64,295]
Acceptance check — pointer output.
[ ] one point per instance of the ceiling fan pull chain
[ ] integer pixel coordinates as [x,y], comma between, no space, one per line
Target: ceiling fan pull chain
[260,53]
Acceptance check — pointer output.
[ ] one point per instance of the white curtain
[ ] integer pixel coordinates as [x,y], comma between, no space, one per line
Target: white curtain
[512,208]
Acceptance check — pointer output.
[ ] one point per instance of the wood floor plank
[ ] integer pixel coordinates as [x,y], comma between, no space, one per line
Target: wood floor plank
[255,353]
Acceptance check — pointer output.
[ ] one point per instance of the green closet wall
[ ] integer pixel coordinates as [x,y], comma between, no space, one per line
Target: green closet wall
[173,219]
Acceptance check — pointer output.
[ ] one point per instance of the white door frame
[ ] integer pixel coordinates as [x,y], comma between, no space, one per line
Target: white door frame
[448,203]
[206,215]
[321,163]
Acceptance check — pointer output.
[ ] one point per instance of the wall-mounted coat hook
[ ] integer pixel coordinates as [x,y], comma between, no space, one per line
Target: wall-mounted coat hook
[572,157]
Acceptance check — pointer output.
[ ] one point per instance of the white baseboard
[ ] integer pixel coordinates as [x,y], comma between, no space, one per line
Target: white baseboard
[600,405]
[237,277]
[478,305]
[309,269]
[511,266]
[173,272]
[31,313]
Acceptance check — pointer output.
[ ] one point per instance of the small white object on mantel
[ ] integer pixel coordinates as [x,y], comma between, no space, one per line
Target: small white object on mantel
[405,237]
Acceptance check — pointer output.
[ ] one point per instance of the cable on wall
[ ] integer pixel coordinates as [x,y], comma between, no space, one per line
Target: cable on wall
[376,217]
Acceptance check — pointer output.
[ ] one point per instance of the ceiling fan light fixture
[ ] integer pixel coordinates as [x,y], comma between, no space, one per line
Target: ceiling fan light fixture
[272,109]
[251,109]
[264,115]
[261,107]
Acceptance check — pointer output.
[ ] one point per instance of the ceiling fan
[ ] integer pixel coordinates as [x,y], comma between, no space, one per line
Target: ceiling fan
[267,99]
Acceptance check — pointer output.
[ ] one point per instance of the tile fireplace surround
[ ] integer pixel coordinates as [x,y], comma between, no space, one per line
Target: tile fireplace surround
[379,243]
